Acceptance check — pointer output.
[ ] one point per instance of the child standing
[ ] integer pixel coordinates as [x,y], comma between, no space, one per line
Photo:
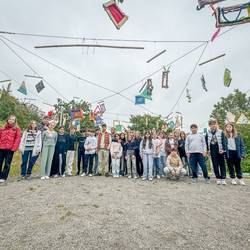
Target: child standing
[71,150]
[215,139]
[81,152]
[147,151]
[235,151]
[10,136]
[156,156]
[174,166]
[171,143]
[59,159]
[116,154]
[162,153]
[30,147]
[196,152]
[130,157]
[49,139]
[90,146]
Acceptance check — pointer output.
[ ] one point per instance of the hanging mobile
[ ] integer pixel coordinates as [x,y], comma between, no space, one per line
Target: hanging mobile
[165,73]
[203,82]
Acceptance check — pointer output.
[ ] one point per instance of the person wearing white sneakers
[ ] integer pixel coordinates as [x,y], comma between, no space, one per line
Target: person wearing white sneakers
[235,151]
[116,154]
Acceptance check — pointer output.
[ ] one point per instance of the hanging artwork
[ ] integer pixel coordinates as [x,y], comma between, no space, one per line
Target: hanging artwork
[216,33]
[77,124]
[100,108]
[203,3]
[66,117]
[243,120]
[227,78]
[76,114]
[164,82]
[203,82]
[119,128]
[230,117]
[147,90]
[232,15]
[22,89]
[178,124]
[139,100]
[50,114]
[115,14]
[92,116]
[188,95]
[98,120]
[171,125]
[40,86]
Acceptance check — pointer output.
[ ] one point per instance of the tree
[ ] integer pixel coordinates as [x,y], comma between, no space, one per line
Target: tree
[24,112]
[146,122]
[236,103]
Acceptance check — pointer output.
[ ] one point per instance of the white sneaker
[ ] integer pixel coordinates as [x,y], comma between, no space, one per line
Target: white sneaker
[163,176]
[90,175]
[43,178]
[150,179]
[83,174]
[218,182]
[242,183]
[2,180]
[143,179]
[234,182]
[158,177]
[129,177]
[56,176]
[223,182]
[135,177]
[63,176]
[46,177]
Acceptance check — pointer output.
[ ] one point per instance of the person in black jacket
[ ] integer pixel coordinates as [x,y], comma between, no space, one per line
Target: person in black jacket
[81,153]
[59,158]
[71,150]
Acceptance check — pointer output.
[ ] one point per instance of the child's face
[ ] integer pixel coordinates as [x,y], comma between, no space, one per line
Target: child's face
[194,130]
[12,120]
[147,135]
[229,128]
[213,126]
[61,130]
[173,153]
[72,131]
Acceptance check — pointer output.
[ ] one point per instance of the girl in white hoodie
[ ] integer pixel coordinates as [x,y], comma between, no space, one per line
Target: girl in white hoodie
[116,154]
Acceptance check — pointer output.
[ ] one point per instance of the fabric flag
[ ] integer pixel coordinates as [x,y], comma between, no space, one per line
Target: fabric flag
[40,86]
[98,120]
[203,82]
[165,74]
[22,89]
[92,116]
[76,114]
[243,120]
[188,95]
[115,14]
[227,78]
[77,124]
[171,124]
[119,128]
[230,117]
[139,100]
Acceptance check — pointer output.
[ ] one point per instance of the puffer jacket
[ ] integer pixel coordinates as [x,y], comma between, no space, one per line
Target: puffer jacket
[10,138]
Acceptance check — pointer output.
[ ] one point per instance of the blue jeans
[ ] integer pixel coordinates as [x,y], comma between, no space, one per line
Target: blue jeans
[196,160]
[28,160]
[89,160]
[156,165]
[147,166]
[162,164]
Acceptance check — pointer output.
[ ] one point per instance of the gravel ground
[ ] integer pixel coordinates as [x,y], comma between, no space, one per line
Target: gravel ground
[107,213]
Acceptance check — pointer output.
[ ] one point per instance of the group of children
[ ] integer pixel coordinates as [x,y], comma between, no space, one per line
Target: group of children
[155,155]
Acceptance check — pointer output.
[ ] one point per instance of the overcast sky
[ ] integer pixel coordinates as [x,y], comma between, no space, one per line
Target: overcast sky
[117,69]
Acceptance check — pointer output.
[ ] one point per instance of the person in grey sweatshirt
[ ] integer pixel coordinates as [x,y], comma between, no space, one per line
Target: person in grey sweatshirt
[196,150]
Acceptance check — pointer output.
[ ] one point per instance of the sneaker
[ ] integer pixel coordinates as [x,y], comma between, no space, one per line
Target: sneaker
[63,176]
[90,175]
[163,176]
[234,182]
[223,182]
[56,176]
[207,181]
[43,178]
[150,179]
[21,178]
[129,177]
[218,182]
[83,174]
[242,183]
[158,177]
[2,180]
[106,174]
[144,179]
[135,177]
[46,177]
[194,180]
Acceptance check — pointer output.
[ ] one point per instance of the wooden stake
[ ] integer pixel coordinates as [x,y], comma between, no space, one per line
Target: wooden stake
[151,59]
[86,45]
[210,60]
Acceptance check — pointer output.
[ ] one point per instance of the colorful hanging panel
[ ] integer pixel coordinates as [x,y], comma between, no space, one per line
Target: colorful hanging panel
[22,89]
[139,100]
[76,114]
[227,78]
[232,15]
[40,86]
[243,120]
[203,83]
[165,74]
[147,90]
[115,14]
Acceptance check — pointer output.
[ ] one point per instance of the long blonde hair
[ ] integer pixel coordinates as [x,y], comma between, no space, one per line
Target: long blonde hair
[234,131]
[7,121]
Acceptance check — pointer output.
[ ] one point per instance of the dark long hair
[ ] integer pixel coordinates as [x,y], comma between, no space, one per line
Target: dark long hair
[145,139]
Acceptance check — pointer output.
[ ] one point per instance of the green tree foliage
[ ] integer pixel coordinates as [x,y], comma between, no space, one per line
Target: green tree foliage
[236,103]
[146,122]
[10,105]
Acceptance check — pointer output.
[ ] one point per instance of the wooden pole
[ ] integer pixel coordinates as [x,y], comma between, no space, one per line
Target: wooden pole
[151,59]
[86,45]
[39,77]
[210,60]
[5,81]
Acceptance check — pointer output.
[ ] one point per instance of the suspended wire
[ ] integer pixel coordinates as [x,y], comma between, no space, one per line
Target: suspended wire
[152,74]
[189,78]
[74,75]
[100,39]
[32,69]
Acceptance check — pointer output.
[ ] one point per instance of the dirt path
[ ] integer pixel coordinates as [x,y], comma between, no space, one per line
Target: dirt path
[107,213]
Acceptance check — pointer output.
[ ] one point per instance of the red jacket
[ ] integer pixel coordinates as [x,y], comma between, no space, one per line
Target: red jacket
[10,138]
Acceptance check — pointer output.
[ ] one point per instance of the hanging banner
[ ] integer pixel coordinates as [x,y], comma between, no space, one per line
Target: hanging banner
[76,114]
[171,125]
[98,120]
[40,86]
[165,74]
[243,120]
[119,128]
[139,100]
[77,124]
[227,78]
[22,89]
[230,117]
